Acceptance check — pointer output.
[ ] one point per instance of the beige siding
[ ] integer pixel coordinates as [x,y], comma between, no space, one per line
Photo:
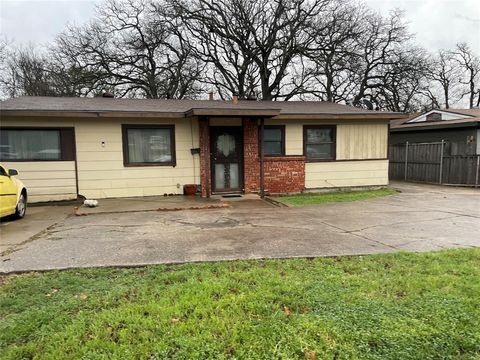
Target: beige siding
[355,141]
[359,140]
[346,173]
[365,141]
[101,172]
[47,180]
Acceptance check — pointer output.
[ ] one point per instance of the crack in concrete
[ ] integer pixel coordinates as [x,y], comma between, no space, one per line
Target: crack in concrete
[37,236]
[356,232]
[359,235]
[403,222]
[277,226]
[233,223]
[221,222]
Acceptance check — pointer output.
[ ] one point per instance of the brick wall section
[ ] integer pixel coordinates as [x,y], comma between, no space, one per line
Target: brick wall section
[204,157]
[250,155]
[285,174]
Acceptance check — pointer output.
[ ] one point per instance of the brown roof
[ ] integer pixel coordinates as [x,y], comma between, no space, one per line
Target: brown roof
[473,121]
[75,106]
[397,122]
[471,112]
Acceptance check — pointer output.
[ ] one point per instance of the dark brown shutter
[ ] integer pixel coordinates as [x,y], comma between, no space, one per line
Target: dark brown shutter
[67,139]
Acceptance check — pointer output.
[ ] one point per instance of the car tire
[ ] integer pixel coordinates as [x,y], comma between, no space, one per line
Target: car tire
[21,208]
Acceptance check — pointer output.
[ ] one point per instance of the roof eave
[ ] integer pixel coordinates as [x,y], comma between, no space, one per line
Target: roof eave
[91,114]
[232,112]
[351,116]
[435,126]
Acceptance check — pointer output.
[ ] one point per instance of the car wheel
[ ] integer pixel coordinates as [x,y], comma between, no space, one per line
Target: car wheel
[21,206]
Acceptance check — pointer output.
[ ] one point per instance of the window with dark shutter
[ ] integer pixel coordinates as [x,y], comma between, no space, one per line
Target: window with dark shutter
[37,144]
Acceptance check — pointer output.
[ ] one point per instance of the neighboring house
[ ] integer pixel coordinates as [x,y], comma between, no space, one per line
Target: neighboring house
[459,128]
[104,147]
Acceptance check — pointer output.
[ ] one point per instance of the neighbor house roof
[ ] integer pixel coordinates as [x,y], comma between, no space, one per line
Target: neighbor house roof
[467,118]
[471,112]
[426,125]
[100,106]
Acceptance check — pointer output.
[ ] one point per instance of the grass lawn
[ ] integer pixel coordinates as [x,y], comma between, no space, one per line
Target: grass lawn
[337,196]
[395,306]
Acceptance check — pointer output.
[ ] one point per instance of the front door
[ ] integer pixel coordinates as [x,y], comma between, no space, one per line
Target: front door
[226,151]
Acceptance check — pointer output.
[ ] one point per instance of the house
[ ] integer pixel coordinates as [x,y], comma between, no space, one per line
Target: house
[105,147]
[459,128]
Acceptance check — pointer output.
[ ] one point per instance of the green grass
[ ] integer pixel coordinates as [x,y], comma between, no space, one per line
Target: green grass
[331,197]
[395,306]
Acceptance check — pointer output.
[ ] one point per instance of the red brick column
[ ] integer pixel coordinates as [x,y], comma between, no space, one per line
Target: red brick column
[251,160]
[204,130]
[284,174]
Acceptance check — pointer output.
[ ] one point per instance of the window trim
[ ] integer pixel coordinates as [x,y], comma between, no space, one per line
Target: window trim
[67,142]
[126,127]
[282,131]
[334,142]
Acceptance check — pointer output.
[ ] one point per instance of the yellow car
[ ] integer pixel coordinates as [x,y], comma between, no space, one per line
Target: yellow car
[13,194]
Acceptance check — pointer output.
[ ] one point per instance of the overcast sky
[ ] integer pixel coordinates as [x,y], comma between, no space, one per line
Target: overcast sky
[436,23]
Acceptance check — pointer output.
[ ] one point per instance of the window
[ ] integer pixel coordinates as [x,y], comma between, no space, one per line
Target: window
[145,145]
[319,142]
[29,144]
[274,140]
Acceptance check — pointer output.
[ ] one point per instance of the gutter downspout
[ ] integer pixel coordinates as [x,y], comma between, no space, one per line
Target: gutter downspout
[262,170]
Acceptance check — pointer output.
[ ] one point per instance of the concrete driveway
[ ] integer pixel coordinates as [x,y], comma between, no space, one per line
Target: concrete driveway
[421,218]
[15,233]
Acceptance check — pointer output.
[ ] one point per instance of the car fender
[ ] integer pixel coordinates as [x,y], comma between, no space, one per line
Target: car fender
[20,187]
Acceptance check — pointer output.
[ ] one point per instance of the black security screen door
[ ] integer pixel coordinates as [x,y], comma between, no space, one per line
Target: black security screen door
[226,149]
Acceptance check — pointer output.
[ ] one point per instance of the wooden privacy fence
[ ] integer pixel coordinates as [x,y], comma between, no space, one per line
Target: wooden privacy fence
[428,162]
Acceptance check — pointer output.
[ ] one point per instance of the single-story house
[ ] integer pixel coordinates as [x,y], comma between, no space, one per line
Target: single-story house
[104,147]
[459,128]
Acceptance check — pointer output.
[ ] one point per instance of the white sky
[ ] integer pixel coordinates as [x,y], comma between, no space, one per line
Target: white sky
[436,23]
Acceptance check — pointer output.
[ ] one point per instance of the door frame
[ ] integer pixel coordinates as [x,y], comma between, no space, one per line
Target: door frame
[239,131]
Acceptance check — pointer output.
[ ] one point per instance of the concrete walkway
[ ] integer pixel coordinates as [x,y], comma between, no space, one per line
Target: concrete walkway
[421,218]
[151,203]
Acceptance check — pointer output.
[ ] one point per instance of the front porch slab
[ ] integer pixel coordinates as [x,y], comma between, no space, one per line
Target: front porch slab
[151,203]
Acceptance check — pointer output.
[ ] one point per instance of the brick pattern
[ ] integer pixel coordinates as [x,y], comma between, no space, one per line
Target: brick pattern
[250,156]
[205,157]
[284,174]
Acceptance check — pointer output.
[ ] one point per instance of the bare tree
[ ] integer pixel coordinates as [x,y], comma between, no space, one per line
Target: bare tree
[445,72]
[381,41]
[251,46]
[135,47]
[470,66]
[25,73]
[334,49]
[404,80]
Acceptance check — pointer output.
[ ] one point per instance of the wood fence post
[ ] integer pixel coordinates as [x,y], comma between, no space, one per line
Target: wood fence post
[406,159]
[441,162]
[478,168]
